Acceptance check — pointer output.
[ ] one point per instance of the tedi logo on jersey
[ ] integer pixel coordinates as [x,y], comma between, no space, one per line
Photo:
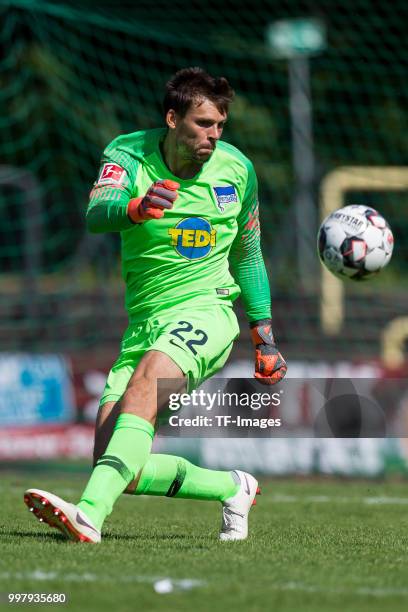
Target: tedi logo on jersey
[225,195]
[193,238]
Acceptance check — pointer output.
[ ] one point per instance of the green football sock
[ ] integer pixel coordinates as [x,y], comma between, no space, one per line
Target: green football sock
[176,477]
[127,452]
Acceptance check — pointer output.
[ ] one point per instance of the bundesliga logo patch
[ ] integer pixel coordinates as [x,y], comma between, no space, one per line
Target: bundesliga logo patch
[225,195]
[111,173]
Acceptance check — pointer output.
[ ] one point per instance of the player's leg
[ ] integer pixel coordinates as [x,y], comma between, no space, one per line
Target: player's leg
[166,475]
[125,455]
[200,343]
[198,482]
[130,444]
[105,422]
[171,476]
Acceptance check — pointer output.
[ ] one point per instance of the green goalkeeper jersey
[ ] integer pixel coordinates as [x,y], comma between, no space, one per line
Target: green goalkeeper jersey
[186,255]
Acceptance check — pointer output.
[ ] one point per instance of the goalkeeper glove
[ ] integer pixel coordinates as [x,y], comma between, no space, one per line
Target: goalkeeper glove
[270,366]
[160,196]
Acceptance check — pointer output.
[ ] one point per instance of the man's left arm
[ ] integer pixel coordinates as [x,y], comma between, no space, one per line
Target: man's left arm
[248,269]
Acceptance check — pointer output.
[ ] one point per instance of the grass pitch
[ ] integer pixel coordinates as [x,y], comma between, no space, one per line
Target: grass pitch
[314,546]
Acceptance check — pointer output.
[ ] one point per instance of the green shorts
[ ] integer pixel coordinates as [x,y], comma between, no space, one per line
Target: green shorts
[198,339]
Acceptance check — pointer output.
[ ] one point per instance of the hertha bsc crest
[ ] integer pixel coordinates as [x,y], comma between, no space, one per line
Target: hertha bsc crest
[225,195]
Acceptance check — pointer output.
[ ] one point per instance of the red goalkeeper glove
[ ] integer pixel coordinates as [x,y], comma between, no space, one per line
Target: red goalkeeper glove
[270,366]
[159,197]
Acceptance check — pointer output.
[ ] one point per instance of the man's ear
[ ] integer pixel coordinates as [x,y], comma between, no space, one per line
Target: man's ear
[171,119]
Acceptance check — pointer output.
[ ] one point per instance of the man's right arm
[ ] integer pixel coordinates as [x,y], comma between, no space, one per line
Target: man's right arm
[111,207]
[108,201]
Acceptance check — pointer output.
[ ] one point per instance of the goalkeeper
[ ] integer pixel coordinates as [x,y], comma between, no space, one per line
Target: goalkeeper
[185,204]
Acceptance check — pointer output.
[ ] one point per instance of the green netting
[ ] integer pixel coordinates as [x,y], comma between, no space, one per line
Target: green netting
[75,75]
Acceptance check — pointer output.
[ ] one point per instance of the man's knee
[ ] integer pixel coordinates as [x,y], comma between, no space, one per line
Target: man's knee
[142,396]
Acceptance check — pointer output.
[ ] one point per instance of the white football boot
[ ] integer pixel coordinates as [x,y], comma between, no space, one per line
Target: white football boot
[66,517]
[235,509]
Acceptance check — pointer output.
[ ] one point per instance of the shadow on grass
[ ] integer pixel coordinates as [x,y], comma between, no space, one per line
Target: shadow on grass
[54,536]
[162,538]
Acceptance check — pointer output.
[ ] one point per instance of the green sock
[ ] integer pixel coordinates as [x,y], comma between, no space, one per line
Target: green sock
[127,452]
[176,477]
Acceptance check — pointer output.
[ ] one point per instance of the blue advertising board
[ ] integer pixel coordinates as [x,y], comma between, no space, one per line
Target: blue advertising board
[35,390]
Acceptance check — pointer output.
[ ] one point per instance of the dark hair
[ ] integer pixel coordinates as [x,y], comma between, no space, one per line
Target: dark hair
[192,84]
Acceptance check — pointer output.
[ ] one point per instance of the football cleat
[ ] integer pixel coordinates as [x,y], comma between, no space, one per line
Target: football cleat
[66,517]
[235,509]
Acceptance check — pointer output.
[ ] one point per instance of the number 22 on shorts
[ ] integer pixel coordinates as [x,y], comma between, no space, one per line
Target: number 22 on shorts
[186,328]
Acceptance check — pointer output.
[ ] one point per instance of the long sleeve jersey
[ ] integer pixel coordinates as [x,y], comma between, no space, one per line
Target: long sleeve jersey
[205,249]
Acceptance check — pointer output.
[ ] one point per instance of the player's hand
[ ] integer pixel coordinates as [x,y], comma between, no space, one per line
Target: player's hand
[270,366]
[160,197]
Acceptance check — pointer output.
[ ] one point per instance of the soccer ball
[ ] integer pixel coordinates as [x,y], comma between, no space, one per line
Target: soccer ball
[355,242]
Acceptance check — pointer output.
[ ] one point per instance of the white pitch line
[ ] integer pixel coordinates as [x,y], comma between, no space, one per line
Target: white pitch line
[386,500]
[44,576]
[364,591]
[319,499]
[41,575]
[188,583]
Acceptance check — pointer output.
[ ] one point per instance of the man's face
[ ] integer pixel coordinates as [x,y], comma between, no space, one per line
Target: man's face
[196,134]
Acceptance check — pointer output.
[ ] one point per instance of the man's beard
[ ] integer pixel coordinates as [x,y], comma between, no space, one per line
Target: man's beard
[200,158]
[192,155]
